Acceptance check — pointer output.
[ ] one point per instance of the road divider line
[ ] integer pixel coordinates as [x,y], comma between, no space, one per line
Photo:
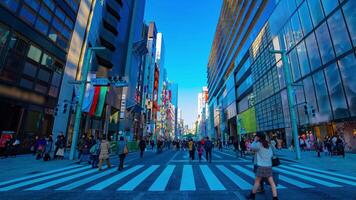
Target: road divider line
[161,182]
[324,172]
[133,183]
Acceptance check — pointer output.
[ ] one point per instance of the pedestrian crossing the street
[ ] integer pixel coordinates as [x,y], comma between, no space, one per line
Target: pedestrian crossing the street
[183,177]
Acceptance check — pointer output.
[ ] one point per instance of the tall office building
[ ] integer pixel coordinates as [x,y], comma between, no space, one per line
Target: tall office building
[247,90]
[35,38]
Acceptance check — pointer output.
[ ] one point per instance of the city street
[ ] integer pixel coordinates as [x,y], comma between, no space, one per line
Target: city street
[170,175]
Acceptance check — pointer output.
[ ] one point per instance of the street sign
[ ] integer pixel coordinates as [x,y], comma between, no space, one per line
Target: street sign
[100,82]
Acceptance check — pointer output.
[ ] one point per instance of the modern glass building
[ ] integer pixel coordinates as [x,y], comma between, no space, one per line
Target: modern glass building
[246,82]
[34,42]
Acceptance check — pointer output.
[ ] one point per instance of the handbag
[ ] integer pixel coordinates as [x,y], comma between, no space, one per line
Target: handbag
[126,150]
[60,152]
[275,162]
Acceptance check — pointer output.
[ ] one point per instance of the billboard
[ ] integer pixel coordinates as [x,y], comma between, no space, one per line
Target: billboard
[246,121]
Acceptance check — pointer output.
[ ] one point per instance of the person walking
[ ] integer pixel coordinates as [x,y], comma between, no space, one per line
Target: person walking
[318,146]
[40,146]
[200,151]
[61,143]
[264,154]
[48,148]
[191,150]
[340,145]
[81,144]
[208,148]
[95,151]
[242,148]
[142,146]
[122,151]
[104,153]
[220,145]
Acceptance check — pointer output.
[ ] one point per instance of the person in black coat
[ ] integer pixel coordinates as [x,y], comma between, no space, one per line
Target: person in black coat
[142,146]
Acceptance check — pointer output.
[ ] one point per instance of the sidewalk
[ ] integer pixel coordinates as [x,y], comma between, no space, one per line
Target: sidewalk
[338,164]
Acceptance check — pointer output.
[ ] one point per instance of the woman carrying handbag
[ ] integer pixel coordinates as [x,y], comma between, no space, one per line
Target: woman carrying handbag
[263,157]
[122,151]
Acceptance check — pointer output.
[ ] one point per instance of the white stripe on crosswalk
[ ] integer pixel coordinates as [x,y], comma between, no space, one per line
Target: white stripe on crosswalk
[291,181]
[38,175]
[225,154]
[133,183]
[214,155]
[307,178]
[213,182]
[115,178]
[252,175]
[161,182]
[61,180]
[21,184]
[187,183]
[87,180]
[321,175]
[324,172]
[241,183]
[203,158]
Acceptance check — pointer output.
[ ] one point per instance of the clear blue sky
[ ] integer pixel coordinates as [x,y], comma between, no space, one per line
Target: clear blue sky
[188,28]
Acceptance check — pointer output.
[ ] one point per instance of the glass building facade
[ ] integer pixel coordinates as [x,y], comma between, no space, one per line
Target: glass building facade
[34,41]
[319,37]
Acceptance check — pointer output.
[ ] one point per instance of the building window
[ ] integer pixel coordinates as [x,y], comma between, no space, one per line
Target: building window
[34,4]
[41,88]
[309,92]
[10,4]
[43,75]
[350,16]
[27,14]
[329,6]
[25,83]
[34,53]
[347,67]
[47,60]
[303,59]
[313,51]
[296,27]
[45,13]
[322,96]
[324,42]
[294,64]
[336,92]
[60,14]
[316,11]
[42,26]
[50,4]
[4,34]
[338,33]
[30,69]
[305,18]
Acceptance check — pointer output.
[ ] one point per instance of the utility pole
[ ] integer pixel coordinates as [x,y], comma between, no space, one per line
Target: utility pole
[78,114]
[291,100]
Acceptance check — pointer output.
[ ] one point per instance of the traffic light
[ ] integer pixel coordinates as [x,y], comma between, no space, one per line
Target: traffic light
[306,109]
[313,111]
[65,107]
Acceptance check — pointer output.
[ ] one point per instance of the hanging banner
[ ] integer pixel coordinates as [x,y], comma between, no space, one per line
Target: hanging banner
[95,101]
[89,95]
[101,101]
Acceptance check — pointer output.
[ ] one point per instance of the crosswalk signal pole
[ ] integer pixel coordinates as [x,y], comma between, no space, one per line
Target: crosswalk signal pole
[291,100]
[78,113]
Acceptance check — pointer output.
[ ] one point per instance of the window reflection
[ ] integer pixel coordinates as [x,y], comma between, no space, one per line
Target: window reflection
[324,109]
[313,51]
[336,92]
[303,59]
[316,11]
[305,18]
[10,4]
[324,42]
[294,63]
[297,29]
[339,34]
[350,16]
[329,5]
[347,67]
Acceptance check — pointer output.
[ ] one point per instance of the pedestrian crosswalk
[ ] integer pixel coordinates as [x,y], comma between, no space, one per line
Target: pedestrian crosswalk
[184,177]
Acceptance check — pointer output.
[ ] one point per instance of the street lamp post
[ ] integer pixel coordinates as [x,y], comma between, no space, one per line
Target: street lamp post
[78,114]
[291,100]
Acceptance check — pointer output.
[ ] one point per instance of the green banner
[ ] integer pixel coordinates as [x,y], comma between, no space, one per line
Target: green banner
[247,121]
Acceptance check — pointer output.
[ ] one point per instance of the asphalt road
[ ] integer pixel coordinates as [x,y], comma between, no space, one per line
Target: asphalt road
[170,175]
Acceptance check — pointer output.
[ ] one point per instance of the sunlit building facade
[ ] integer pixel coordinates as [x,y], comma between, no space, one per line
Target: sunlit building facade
[247,91]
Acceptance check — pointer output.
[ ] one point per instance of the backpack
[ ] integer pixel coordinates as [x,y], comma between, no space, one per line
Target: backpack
[94,149]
